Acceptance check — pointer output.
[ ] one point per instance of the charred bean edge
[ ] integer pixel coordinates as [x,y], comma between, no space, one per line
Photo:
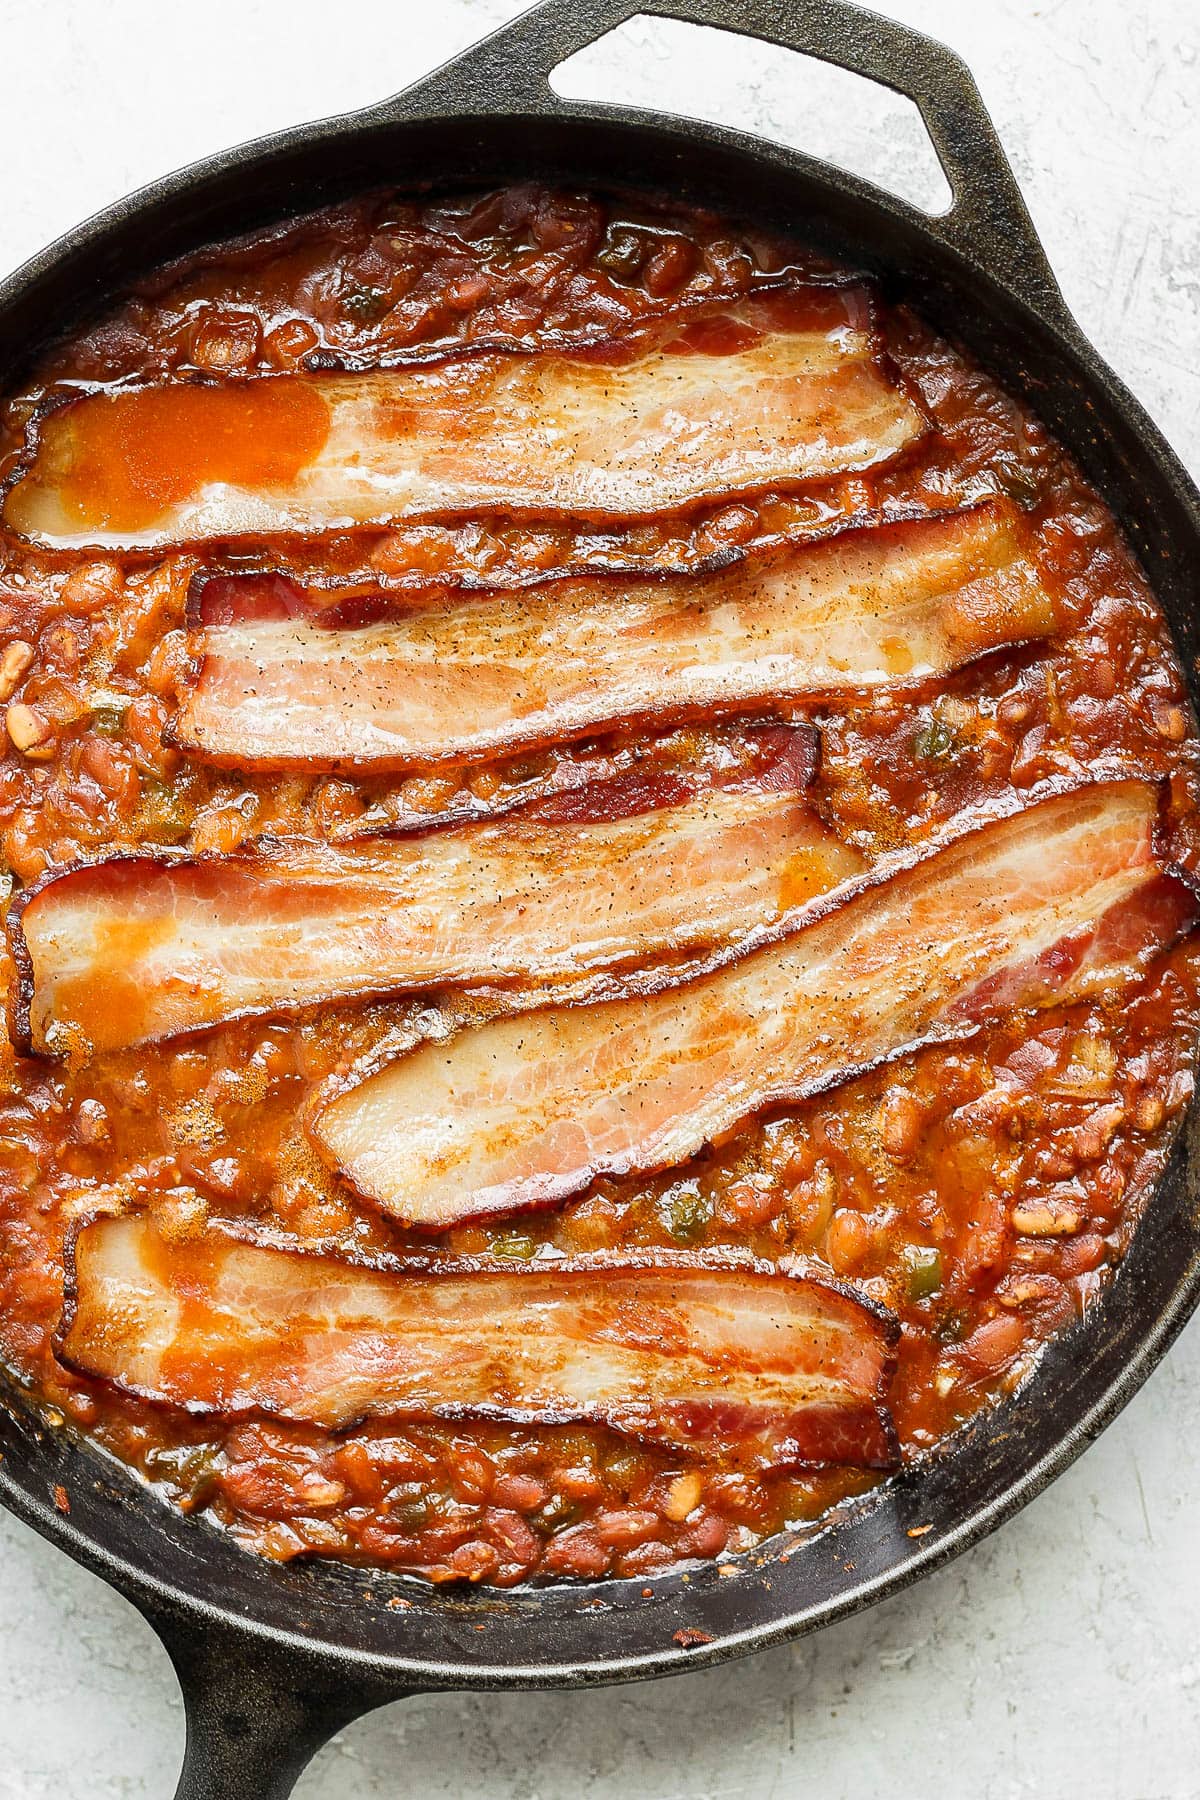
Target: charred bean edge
[258,853]
[854,1309]
[182,736]
[19,1003]
[59,400]
[648,982]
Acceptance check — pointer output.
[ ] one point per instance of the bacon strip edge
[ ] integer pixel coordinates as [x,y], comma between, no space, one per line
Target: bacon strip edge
[779,388]
[518,1113]
[137,948]
[480,678]
[696,1352]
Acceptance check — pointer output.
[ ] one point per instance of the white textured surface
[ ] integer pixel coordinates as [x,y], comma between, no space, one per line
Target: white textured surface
[1060,1659]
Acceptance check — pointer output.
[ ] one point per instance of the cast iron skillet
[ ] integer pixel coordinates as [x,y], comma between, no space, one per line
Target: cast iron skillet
[272,1659]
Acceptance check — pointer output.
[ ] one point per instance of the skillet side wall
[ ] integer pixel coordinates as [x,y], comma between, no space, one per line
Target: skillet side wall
[182,1573]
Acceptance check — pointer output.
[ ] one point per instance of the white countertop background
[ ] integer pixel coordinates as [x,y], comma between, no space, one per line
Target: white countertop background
[1060,1659]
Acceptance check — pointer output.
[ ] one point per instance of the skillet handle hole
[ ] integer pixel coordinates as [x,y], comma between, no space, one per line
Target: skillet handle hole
[702,72]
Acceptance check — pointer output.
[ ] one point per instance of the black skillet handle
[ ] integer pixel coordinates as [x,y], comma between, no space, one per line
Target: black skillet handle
[988,223]
[256,1714]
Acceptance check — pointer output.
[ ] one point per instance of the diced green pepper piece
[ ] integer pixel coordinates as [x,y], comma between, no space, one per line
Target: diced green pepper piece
[924,1265]
[685,1213]
[108,720]
[192,1468]
[520,1249]
[622,255]
[935,742]
[363,302]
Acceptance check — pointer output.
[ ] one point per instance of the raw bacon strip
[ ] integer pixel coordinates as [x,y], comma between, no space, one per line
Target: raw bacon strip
[138,948]
[1053,902]
[901,603]
[703,1356]
[780,389]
